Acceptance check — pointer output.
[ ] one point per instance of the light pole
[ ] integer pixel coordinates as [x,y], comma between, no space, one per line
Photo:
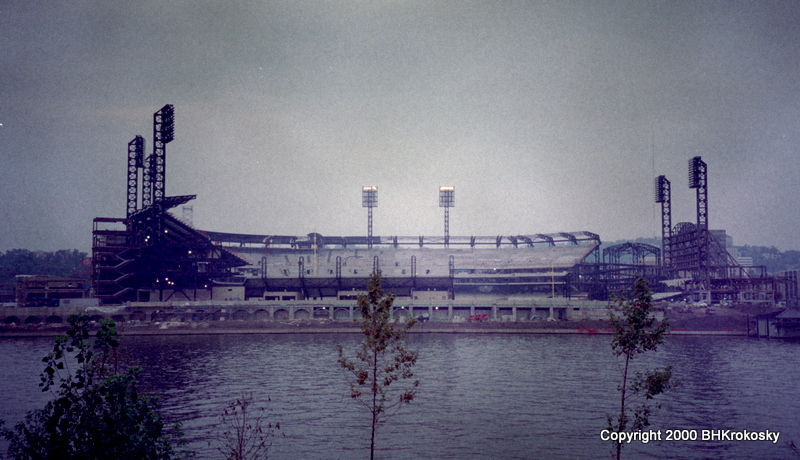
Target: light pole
[369,200]
[447,199]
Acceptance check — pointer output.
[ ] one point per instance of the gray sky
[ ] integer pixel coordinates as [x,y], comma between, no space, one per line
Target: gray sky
[545,116]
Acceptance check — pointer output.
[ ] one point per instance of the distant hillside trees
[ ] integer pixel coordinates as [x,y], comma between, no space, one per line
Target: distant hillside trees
[771,257]
[24,262]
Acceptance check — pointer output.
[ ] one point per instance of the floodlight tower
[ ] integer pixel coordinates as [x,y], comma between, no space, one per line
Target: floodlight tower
[369,200]
[698,180]
[447,199]
[135,162]
[163,133]
[155,168]
[664,196]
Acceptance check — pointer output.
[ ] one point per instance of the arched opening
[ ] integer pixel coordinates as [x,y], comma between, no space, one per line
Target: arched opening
[241,315]
[301,314]
[281,315]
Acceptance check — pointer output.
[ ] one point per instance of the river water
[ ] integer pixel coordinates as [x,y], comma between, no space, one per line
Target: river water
[480,397]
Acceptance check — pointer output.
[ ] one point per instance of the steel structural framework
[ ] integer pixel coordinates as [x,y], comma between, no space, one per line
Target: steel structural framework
[638,252]
[154,252]
[621,265]
[687,246]
[301,242]
[664,196]
[135,163]
[600,280]
[691,251]
[150,250]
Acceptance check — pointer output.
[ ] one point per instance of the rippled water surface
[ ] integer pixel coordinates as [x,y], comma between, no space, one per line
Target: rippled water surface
[481,396]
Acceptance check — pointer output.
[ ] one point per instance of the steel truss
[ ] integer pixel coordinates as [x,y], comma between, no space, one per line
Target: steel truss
[154,252]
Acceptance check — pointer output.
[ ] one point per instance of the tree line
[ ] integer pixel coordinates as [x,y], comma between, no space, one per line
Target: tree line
[771,258]
[63,262]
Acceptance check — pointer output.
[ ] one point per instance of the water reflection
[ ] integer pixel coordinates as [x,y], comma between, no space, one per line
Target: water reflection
[481,396]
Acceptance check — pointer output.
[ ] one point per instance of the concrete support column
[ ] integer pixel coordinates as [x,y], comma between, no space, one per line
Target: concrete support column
[514,312]
[450,312]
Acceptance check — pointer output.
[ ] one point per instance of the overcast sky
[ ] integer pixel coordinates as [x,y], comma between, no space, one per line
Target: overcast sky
[545,116]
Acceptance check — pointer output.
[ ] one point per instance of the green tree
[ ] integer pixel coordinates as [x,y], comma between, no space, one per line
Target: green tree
[382,361]
[24,262]
[244,435]
[98,411]
[635,332]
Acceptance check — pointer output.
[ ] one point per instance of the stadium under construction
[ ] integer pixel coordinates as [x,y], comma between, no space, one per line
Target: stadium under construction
[151,255]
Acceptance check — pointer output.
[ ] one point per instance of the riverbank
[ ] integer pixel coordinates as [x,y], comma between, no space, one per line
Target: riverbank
[710,325]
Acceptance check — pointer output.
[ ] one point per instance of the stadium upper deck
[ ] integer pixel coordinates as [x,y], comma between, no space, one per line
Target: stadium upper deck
[317,266]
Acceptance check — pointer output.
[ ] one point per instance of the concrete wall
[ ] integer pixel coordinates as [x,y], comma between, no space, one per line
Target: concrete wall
[303,310]
[228,293]
[429,296]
